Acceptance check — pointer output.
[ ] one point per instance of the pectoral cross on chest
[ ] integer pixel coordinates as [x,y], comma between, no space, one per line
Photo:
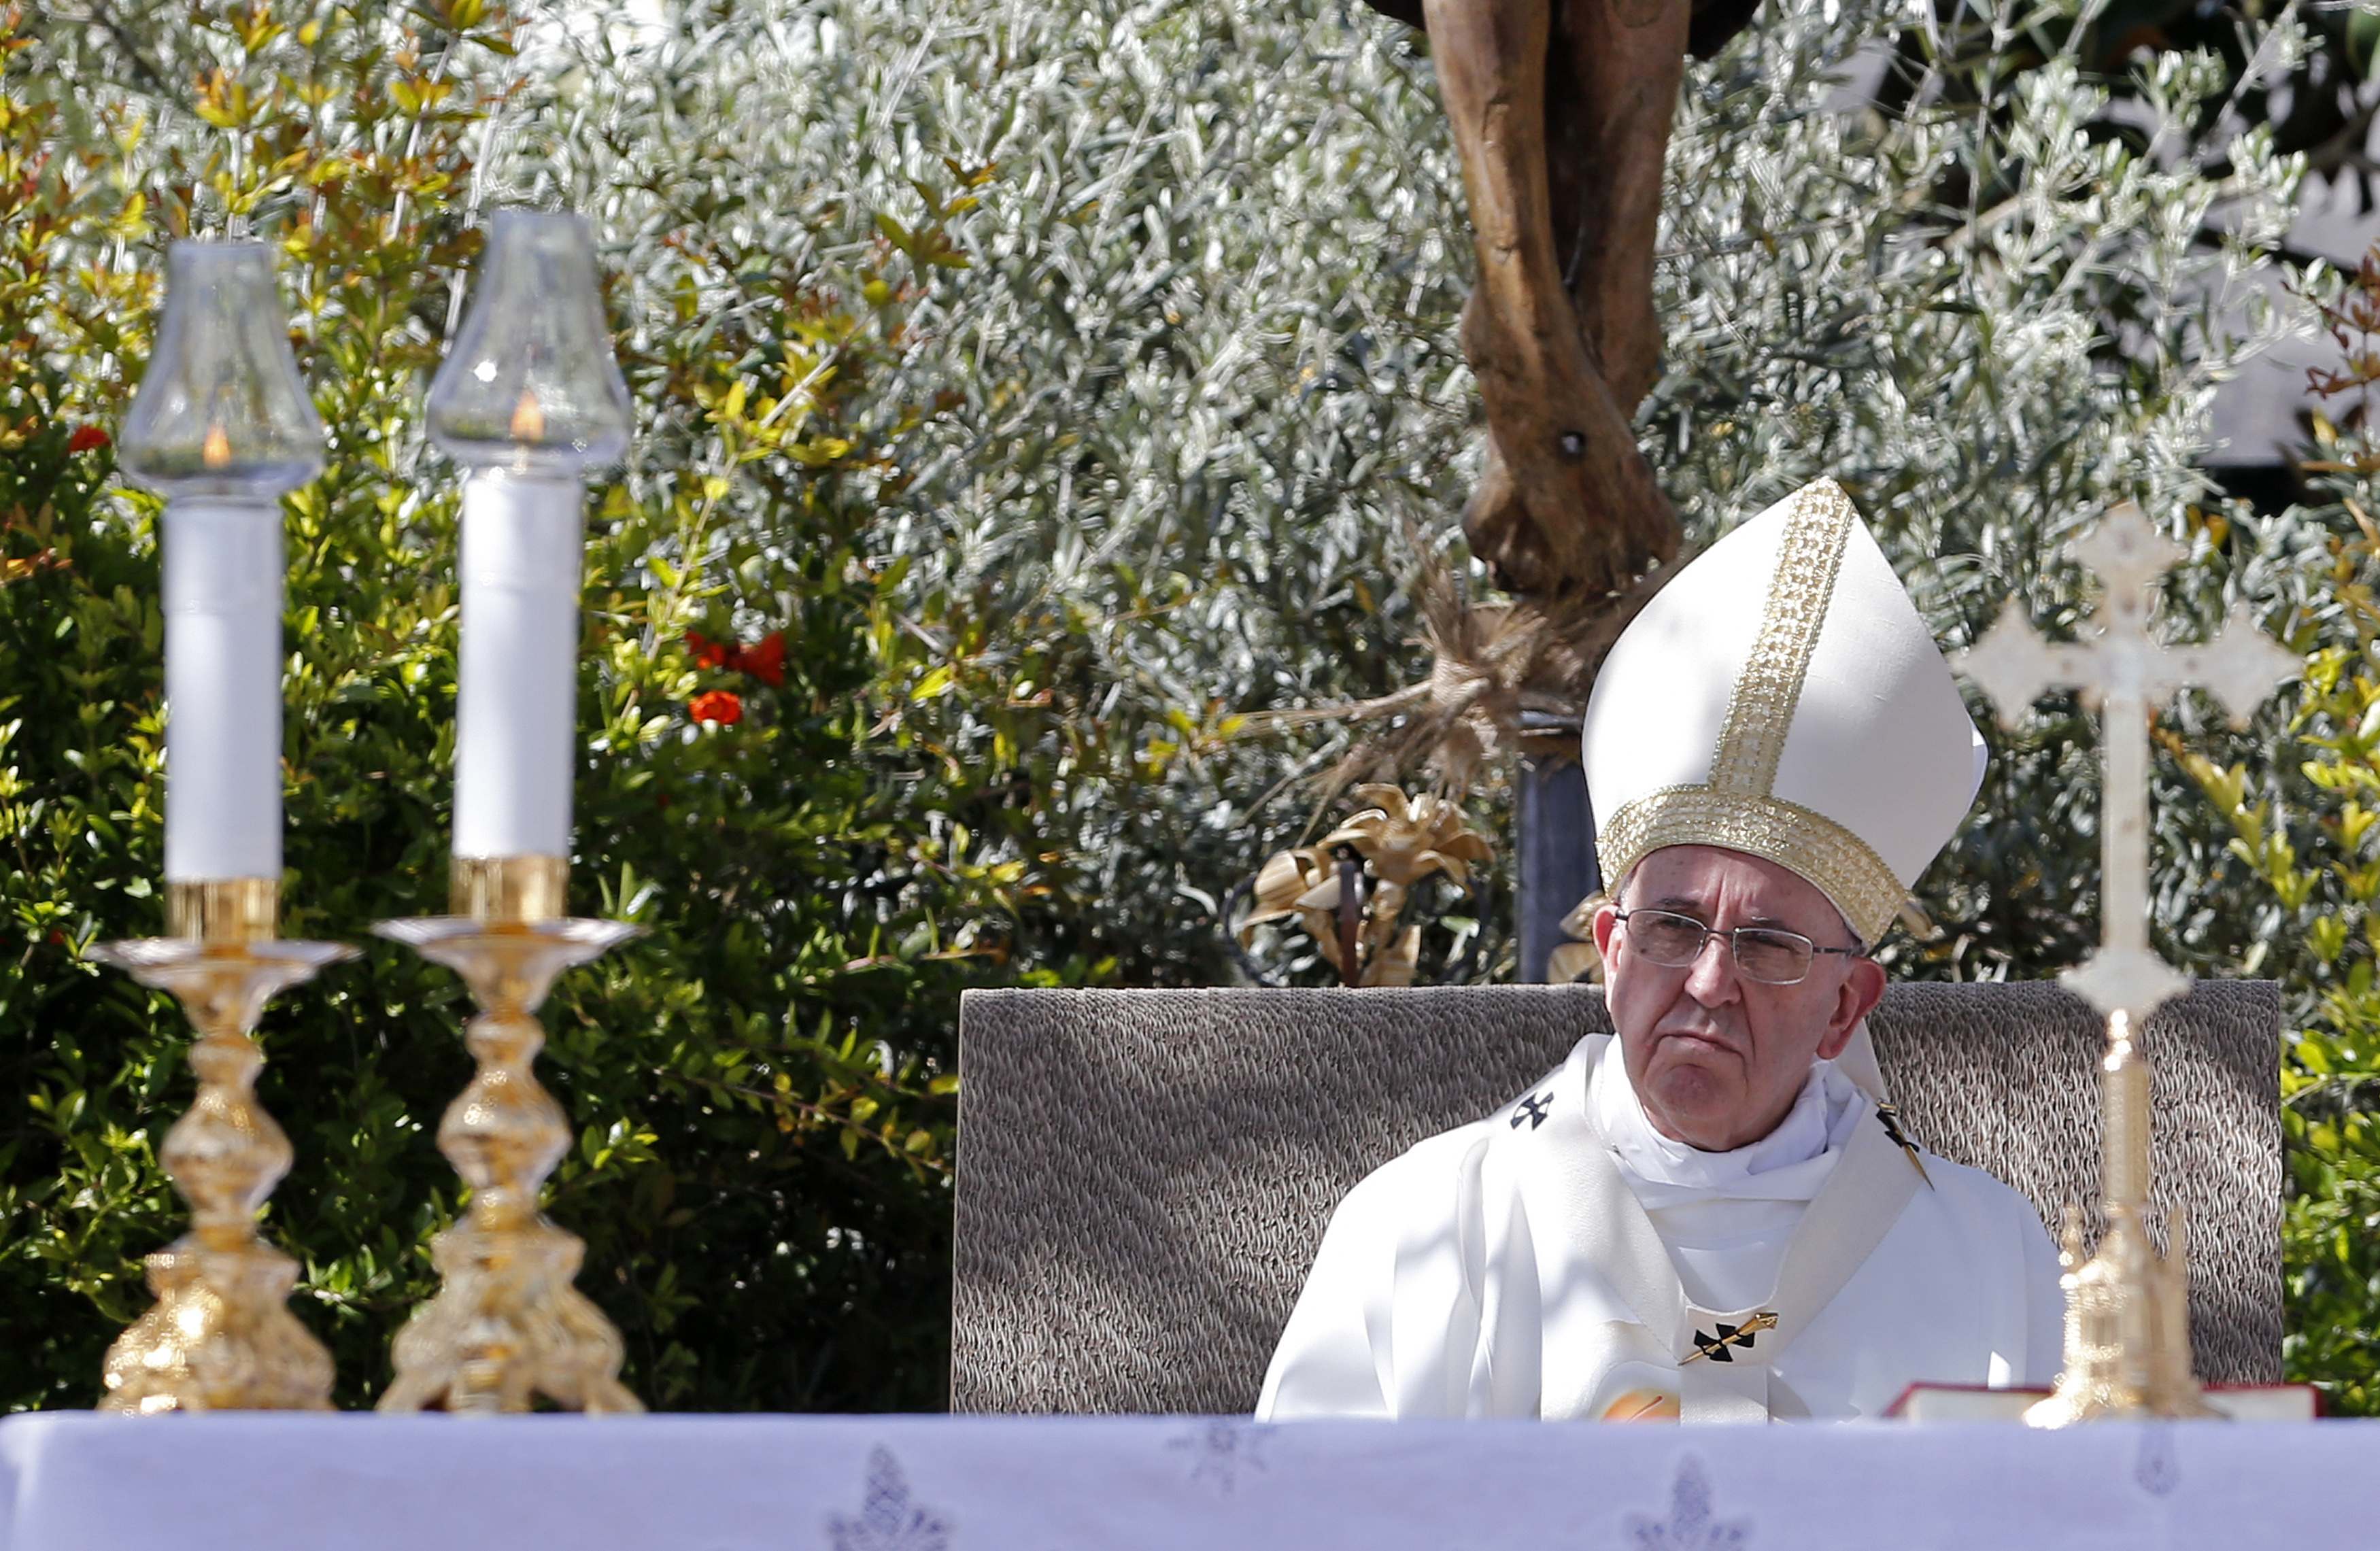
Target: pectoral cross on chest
[1723,1341]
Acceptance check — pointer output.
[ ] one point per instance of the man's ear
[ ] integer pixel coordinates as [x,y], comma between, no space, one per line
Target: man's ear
[1607,922]
[1862,988]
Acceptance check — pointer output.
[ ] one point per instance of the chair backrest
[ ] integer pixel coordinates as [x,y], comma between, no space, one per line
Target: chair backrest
[1143,1176]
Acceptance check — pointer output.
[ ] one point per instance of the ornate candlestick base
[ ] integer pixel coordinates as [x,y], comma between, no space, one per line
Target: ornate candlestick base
[220,1336]
[2127,1307]
[507,1325]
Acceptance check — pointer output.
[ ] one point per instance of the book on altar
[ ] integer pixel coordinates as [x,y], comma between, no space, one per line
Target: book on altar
[1973,1402]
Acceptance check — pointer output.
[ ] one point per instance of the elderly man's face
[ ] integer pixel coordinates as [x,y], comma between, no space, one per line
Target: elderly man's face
[1718,1058]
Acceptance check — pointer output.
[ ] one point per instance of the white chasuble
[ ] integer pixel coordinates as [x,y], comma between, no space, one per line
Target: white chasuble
[1510,1268]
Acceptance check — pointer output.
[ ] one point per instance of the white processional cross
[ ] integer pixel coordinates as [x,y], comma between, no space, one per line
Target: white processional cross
[2120,669]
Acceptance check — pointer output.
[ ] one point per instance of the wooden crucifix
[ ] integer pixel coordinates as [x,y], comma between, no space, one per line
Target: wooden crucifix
[1561,112]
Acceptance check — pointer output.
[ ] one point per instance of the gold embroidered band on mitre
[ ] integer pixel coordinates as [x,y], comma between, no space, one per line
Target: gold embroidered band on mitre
[1737,808]
[1845,867]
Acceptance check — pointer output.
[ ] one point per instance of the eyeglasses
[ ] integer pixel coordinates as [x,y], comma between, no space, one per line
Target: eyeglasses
[1769,954]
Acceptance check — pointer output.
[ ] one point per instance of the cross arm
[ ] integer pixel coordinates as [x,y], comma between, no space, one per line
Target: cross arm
[2240,666]
[2014,665]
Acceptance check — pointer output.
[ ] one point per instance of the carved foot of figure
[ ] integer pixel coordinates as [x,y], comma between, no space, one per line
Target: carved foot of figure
[1568,506]
[1566,503]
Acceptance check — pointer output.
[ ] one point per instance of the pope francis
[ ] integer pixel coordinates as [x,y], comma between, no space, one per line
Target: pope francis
[1713,1215]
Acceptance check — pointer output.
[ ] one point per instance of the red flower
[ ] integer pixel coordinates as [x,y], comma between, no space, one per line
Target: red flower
[764,660]
[86,439]
[721,706]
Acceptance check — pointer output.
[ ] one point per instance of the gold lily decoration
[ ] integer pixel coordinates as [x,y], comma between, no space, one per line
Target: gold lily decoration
[1576,957]
[1350,890]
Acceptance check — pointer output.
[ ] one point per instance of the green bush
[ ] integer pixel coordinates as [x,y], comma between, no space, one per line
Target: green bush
[2306,836]
[763,1081]
[2302,815]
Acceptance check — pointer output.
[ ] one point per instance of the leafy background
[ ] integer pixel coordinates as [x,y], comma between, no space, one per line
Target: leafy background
[1061,390]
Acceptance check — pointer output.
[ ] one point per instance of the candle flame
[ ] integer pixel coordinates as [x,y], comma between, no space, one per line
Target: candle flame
[215,452]
[529,419]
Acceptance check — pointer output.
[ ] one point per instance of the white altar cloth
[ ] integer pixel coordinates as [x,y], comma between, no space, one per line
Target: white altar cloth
[74,1482]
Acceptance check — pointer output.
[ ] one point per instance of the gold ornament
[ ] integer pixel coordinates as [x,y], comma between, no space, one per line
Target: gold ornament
[2127,1308]
[507,1326]
[1403,841]
[1889,1116]
[509,888]
[1643,1405]
[1283,884]
[1724,1336]
[1576,956]
[220,1336]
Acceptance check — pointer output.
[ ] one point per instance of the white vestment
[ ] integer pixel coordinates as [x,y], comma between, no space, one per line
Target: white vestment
[1510,1268]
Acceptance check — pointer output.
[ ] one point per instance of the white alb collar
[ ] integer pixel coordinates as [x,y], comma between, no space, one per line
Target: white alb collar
[1788,1164]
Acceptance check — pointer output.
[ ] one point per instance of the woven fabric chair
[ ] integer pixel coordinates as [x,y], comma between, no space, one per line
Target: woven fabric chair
[1143,1176]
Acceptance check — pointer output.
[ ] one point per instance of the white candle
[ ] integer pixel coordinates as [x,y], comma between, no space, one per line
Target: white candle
[223,690]
[517,717]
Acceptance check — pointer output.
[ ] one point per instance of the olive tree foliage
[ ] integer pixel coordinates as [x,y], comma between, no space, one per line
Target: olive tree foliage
[1206,384]
[2301,809]
[1197,368]
[1991,316]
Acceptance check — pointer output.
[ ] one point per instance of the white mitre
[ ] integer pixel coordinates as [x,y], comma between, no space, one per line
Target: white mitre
[1781,697]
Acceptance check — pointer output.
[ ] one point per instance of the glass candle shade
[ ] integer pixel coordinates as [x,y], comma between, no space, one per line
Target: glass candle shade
[220,411]
[223,427]
[531,382]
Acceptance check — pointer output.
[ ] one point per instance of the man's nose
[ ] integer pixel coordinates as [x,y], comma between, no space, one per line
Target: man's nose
[1711,978]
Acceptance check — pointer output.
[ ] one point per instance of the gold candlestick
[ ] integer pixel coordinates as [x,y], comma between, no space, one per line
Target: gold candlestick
[2127,1307]
[507,1325]
[220,1336]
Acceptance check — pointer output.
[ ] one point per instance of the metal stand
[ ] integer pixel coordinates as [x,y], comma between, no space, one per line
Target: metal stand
[220,1336]
[507,1326]
[1557,863]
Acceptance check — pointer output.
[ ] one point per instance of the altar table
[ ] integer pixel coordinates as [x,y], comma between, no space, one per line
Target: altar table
[74,1482]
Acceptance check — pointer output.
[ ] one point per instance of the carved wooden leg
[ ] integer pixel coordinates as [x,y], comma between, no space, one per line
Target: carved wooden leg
[1617,81]
[1570,505]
